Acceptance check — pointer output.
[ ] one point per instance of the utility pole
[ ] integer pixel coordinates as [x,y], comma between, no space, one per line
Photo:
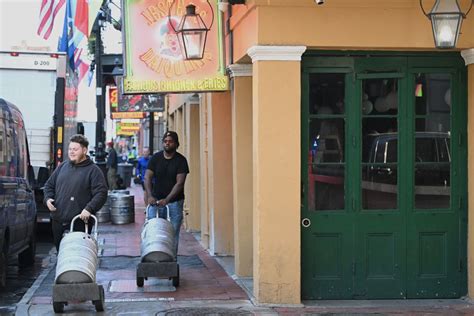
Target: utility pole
[100,97]
[100,153]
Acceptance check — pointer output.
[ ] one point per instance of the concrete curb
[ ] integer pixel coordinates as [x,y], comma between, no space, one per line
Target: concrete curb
[22,307]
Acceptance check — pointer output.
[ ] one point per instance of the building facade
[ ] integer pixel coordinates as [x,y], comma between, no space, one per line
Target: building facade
[336,167]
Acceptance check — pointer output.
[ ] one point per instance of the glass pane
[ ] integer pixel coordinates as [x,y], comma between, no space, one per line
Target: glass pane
[379,144]
[326,187]
[433,95]
[326,94]
[326,164]
[326,168]
[432,157]
[379,97]
[379,186]
[326,140]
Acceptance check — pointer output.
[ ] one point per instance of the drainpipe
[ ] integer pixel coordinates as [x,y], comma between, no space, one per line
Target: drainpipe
[231,37]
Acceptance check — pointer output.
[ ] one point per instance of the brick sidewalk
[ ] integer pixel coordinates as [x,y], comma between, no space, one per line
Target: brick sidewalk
[201,277]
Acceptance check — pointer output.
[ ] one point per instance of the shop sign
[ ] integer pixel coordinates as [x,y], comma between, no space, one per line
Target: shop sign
[128,126]
[135,103]
[128,115]
[154,62]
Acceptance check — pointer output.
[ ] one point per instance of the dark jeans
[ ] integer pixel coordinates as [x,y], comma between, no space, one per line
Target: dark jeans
[60,228]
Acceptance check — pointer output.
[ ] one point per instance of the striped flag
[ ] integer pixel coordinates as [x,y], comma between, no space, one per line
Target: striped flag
[48,11]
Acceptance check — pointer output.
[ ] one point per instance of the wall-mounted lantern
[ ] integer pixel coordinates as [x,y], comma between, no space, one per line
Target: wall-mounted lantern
[192,32]
[446,18]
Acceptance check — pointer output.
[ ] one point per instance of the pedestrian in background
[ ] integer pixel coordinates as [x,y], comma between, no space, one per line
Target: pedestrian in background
[112,162]
[142,164]
[76,187]
[164,183]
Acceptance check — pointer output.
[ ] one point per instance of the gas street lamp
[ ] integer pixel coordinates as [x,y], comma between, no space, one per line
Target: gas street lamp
[192,32]
[446,19]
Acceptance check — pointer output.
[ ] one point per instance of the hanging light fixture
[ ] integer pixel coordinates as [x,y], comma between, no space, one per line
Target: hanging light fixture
[446,19]
[192,32]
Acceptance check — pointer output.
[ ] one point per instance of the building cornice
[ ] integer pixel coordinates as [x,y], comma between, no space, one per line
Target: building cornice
[276,53]
[239,70]
[468,55]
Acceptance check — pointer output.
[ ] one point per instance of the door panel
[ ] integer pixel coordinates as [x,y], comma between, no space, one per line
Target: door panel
[434,261]
[327,237]
[379,219]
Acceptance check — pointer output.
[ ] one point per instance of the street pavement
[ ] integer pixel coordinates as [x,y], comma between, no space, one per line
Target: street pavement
[205,286]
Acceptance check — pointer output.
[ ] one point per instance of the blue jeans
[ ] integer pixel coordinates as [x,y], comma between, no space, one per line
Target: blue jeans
[176,217]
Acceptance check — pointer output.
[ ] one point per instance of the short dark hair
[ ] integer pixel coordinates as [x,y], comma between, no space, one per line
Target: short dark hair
[173,135]
[80,139]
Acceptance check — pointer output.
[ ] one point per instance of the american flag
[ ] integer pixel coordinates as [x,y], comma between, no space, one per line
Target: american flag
[48,11]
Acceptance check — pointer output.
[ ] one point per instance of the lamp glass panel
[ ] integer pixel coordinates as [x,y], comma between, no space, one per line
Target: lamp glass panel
[446,6]
[446,29]
[194,42]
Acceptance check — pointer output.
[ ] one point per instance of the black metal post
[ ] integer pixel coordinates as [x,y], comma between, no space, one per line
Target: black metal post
[100,154]
[152,131]
[100,98]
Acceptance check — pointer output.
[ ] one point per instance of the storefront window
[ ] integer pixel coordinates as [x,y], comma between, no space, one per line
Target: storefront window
[326,162]
[432,173]
[379,107]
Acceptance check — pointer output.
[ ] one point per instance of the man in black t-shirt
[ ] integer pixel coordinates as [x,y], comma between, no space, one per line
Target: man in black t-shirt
[167,170]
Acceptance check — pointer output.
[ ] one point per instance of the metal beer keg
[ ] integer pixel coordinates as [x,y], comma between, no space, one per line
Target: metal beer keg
[126,192]
[77,258]
[122,209]
[103,215]
[157,240]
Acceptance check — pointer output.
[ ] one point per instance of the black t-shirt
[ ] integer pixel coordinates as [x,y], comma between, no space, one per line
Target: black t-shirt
[165,172]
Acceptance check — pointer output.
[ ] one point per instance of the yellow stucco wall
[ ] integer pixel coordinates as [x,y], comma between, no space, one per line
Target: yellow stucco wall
[220,174]
[204,156]
[193,181]
[242,174]
[276,181]
[339,24]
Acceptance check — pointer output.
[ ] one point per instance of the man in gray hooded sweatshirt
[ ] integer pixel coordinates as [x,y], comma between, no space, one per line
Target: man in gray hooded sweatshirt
[76,187]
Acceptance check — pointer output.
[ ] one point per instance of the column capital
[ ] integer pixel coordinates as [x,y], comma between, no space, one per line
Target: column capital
[239,70]
[280,53]
[468,55]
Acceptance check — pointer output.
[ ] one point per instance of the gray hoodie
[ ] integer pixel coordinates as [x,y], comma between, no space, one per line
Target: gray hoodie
[75,187]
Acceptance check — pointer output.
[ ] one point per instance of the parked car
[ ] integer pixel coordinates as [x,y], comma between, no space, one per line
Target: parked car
[432,158]
[17,207]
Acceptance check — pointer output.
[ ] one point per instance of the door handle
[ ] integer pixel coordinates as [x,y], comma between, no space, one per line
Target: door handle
[306,222]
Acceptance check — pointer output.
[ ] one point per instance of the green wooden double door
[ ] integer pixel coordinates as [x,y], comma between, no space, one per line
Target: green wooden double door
[384,177]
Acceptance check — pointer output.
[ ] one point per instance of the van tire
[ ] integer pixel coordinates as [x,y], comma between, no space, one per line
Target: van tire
[27,256]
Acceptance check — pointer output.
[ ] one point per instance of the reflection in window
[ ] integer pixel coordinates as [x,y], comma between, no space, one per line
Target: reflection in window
[326,167]
[379,107]
[380,97]
[432,157]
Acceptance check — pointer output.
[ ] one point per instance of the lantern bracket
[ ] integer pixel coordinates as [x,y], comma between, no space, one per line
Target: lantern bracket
[463,14]
[208,27]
